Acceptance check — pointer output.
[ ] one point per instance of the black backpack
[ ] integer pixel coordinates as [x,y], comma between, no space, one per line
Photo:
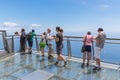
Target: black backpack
[46,40]
[29,36]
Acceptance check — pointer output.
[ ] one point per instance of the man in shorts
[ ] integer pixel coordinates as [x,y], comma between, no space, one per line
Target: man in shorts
[49,43]
[100,40]
[30,37]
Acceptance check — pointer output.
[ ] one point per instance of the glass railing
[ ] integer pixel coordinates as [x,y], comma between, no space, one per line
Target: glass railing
[72,47]
[19,66]
[110,52]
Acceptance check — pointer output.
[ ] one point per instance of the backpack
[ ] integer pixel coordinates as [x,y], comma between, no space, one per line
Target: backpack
[46,41]
[29,36]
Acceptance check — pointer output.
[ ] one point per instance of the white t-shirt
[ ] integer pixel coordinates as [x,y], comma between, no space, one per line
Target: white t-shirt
[49,38]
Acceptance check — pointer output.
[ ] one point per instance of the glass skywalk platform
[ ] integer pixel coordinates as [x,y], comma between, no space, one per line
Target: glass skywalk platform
[33,67]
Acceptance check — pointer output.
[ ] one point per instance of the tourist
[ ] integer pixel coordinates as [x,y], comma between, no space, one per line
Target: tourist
[42,43]
[30,37]
[49,39]
[59,41]
[100,41]
[22,40]
[87,41]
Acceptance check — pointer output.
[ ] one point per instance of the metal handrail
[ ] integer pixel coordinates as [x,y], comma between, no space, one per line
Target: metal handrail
[68,39]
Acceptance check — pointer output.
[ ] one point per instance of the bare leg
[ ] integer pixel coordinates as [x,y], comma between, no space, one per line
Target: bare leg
[62,58]
[30,49]
[84,57]
[50,50]
[98,62]
[88,57]
[42,51]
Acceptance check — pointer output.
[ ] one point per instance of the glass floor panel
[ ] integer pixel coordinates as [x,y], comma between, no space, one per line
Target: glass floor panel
[19,66]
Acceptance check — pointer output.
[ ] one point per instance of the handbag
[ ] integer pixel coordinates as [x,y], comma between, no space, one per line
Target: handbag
[83,47]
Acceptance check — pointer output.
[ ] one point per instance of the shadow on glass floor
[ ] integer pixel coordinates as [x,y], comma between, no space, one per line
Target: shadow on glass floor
[19,66]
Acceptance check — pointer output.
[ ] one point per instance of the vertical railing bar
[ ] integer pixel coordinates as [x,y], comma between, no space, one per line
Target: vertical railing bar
[7,47]
[93,50]
[68,46]
[37,46]
[12,43]
[70,49]
[4,41]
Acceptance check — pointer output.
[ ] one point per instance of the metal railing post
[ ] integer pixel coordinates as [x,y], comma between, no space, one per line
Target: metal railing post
[7,45]
[4,40]
[37,46]
[93,50]
[12,43]
[68,48]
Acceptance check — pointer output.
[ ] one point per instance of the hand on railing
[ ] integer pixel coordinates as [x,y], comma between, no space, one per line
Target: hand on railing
[16,33]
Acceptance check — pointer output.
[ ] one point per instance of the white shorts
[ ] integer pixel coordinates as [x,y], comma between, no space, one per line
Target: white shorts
[97,52]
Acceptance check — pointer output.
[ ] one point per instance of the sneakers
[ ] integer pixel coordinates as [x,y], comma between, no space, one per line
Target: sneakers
[56,63]
[42,55]
[65,63]
[97,68]
[50,56]
[87,64]
[83,65]
[22,53]
[29,51]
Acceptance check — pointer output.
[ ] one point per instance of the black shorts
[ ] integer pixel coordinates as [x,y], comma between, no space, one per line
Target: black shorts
[87,48]
[30,43]
[59,49]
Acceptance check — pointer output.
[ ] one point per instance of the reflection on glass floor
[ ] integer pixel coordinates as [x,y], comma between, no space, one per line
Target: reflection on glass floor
[19,66]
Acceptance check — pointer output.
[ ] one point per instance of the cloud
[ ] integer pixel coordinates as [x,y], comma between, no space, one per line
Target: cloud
[10,30]
[35,25]
[10,24]
[104,6]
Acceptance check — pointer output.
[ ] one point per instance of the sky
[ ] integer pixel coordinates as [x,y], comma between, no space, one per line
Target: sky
[76,17]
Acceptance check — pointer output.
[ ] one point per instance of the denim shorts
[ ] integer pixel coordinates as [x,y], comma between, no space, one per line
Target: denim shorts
[87,48]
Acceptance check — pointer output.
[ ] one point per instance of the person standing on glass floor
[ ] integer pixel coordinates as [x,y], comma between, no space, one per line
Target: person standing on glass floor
[100,41]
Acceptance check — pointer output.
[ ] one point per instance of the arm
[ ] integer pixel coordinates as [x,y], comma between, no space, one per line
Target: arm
[50,38]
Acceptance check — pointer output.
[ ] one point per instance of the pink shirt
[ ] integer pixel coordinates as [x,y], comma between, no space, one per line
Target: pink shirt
[88,40]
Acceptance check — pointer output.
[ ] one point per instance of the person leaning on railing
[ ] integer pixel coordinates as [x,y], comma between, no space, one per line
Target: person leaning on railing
[87,42]
[100,41]
[42,43]
[30,37]
[22,40]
